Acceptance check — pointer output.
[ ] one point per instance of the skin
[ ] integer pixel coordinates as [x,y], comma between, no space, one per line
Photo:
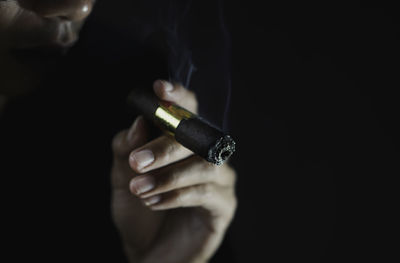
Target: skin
[30,24]
[184,217]
[185,214]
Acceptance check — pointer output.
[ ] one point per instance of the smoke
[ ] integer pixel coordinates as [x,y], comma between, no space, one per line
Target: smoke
[227,60]
[196,41]
[179,54]
[199,45]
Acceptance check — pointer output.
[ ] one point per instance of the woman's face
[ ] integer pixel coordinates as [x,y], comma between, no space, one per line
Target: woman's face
[38,25]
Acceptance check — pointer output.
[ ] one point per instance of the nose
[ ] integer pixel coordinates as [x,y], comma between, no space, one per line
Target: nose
[65,9]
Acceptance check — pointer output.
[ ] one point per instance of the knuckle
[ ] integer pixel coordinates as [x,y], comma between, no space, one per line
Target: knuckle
[166,152]
[206,192]
[162,149]
[170,149]
[180,198]
[173,180]
[211,172]
[207,167]
[168,181]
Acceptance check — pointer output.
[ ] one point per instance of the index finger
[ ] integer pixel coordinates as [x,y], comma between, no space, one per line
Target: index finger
[158,153]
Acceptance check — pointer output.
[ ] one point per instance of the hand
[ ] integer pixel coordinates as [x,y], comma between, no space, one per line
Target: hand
[168,204]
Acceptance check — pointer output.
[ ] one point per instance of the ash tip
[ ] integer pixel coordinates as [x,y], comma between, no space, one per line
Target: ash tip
[222,150]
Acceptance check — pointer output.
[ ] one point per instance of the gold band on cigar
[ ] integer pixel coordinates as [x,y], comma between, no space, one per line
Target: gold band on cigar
[169,116]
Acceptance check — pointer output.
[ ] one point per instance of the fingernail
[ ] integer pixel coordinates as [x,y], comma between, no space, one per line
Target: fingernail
[143,184]
[168,86]
[162,87]
[132,130]
[143,158]
[152,200]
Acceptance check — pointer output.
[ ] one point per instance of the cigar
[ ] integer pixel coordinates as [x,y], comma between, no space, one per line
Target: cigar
[190,130]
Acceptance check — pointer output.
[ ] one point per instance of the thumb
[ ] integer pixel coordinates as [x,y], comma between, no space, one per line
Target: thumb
[128,140]
[122,145]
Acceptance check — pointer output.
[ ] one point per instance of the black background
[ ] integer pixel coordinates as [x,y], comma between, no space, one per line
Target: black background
[313,110]
[315,113]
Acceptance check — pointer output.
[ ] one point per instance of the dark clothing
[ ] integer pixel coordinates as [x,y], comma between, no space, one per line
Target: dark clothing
[314,114]
[55,147]
[318,134]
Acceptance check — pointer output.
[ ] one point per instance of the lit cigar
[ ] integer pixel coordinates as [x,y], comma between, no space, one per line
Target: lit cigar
[187,128]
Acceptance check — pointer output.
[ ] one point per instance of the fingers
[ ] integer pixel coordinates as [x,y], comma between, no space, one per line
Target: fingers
[176,93]
[157,153]
[219,200]
[122,144]
[197,195]
[192,171]
[164,150]
[169,175]
[192,182]
[127,140]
